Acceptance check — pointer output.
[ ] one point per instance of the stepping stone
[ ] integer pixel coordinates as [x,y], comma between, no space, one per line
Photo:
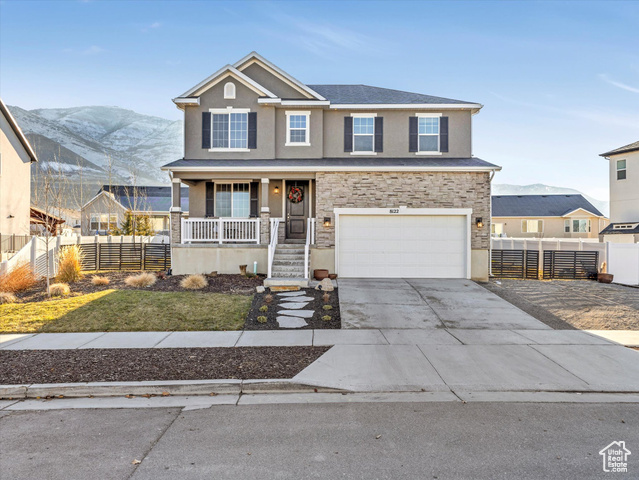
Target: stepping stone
[297,299]
[297,313]
[290,294]
[293,306]
[291,322]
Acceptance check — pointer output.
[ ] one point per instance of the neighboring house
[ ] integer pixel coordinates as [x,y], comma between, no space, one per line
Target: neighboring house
[545,216]
[624,195]
[375,182]
[16,156]
[107,210]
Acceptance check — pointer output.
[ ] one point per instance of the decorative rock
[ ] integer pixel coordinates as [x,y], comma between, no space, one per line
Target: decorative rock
[293,305]
[325,285]
[297,313]
[260,289]
[290,294]
[291,322]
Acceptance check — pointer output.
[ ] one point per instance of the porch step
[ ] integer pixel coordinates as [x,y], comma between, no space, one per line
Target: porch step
[292,261]
[286,282]
[298,274]
[294,241]
[289,252]
[282,269]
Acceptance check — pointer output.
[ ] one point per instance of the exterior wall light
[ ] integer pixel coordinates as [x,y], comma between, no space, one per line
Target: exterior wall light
[276,190]
[327,221]
[479,222]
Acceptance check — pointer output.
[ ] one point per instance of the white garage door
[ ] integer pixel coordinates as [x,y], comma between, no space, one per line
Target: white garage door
[408,246]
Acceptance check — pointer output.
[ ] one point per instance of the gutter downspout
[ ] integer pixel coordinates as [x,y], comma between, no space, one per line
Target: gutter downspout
[490,235]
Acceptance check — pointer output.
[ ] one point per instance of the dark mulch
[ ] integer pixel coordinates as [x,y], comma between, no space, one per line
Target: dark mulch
[316,304]
[233,284]
[136,364]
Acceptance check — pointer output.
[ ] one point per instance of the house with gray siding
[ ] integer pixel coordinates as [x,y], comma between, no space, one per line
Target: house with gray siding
[359,180]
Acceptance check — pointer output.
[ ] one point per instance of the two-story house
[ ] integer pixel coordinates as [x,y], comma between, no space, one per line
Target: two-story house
[624,195]
[359,180]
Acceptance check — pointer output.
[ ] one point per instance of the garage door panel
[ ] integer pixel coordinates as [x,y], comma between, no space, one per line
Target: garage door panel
[402,246]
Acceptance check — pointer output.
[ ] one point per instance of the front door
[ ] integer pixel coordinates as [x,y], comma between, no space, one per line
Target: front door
[297,202]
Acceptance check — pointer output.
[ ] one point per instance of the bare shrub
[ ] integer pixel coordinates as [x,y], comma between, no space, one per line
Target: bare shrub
[70,265]
[194,282]
[98,281]
[6,297]
[140,281]
[59,289]
[18,279]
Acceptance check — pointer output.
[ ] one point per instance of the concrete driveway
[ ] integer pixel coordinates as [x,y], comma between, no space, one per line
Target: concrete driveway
[427,304]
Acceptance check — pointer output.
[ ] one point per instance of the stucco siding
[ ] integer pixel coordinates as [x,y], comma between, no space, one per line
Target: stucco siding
[271,82]
[553,227]
[624,194]
[316,134]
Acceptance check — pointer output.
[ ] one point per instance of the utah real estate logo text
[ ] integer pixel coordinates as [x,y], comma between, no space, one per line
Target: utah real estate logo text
[615,457]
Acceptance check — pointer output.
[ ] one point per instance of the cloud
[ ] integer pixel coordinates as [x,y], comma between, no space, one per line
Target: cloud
[153,26]
[614,83]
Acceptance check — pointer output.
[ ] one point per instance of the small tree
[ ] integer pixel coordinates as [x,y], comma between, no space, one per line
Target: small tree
[135,225]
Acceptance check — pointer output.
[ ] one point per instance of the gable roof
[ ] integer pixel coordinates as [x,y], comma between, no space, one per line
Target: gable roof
[18,131]
[152,199]
[540,205]
[631,147]
[365,94]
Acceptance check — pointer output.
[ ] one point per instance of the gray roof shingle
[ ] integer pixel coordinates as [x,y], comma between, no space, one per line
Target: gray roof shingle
[611,230]
[365,94]
[152,199]
[540,205]
[631,147]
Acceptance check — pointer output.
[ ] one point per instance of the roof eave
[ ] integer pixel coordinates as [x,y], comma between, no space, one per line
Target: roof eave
[18,132]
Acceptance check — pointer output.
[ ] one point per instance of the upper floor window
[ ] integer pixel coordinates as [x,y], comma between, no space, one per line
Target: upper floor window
[428,134]
[229,130]
[229,90]
[297,128]
[532,226]
[363,133]
[621,169]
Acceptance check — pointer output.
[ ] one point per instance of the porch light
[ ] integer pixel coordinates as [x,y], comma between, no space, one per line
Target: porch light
[276,190]
[327,221]
[479,222]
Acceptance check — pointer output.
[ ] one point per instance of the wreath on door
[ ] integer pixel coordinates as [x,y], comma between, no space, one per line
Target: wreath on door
[295,195]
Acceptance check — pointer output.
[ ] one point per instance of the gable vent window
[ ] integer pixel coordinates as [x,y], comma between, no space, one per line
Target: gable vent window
[229,90]
[621,169]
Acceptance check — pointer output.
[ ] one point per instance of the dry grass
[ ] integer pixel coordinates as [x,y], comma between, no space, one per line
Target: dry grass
[98,281]
[140,281]
[18,279]
[6,297]
[194,282]
[70,265]
[59,290]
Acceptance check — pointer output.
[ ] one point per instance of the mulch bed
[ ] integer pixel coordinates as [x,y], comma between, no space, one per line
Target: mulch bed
[232,284]
[136,365]
[316,304]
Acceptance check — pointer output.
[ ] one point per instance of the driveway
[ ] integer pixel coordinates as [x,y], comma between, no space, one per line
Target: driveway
[427,304]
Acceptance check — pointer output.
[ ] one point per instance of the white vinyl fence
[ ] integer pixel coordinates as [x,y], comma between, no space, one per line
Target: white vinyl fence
[623,262]
[543,244]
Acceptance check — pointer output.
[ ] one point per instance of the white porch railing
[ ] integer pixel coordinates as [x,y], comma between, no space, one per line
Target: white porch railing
[221,230]
[275,225]
[310,240]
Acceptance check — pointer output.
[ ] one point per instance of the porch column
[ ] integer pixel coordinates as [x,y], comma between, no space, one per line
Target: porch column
[176,212]
[265,215]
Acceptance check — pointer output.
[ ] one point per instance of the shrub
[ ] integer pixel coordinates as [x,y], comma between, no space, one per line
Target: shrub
[70,265]
[59,289]
[264,308]
[194,282]
[18,279]
[327,307]
[140,281]
[97,281]
[268,298]
[327,318]
[6,297]
[326,297]
[262,319]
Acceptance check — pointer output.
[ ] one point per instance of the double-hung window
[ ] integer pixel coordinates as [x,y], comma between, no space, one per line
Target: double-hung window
[229,129]
[532,226]
[364,133]
[428,131]
[621,169]
[297,128]
[232,200]
[103,222]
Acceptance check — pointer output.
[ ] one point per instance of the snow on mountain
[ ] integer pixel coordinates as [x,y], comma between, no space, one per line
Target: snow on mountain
[541,189]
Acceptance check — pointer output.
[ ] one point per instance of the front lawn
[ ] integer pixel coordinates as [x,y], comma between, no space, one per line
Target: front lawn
[128,311]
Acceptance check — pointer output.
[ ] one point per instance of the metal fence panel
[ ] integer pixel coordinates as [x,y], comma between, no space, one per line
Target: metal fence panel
[570,265]
[157,256]
[515,264]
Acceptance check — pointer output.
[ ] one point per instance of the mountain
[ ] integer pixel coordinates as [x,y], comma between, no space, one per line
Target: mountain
[135,145]
[541,189]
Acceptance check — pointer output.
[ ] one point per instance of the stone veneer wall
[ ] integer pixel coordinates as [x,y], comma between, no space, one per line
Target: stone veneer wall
[176,227]
[411,189]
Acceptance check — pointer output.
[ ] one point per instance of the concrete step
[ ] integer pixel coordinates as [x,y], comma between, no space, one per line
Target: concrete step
[286,282]
[286,251]
[280,269]
[287,262]
[289,246]
[298,274]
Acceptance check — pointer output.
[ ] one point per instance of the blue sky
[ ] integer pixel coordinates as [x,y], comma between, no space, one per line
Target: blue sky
[559,81]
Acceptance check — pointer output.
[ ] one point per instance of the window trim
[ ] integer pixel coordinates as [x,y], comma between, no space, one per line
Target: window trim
[429,152]
[364,152]
[228,111]
[229,91]
[103,223]
[569,223]
[624,169]
[532,220]
[216,184]
[288,142]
